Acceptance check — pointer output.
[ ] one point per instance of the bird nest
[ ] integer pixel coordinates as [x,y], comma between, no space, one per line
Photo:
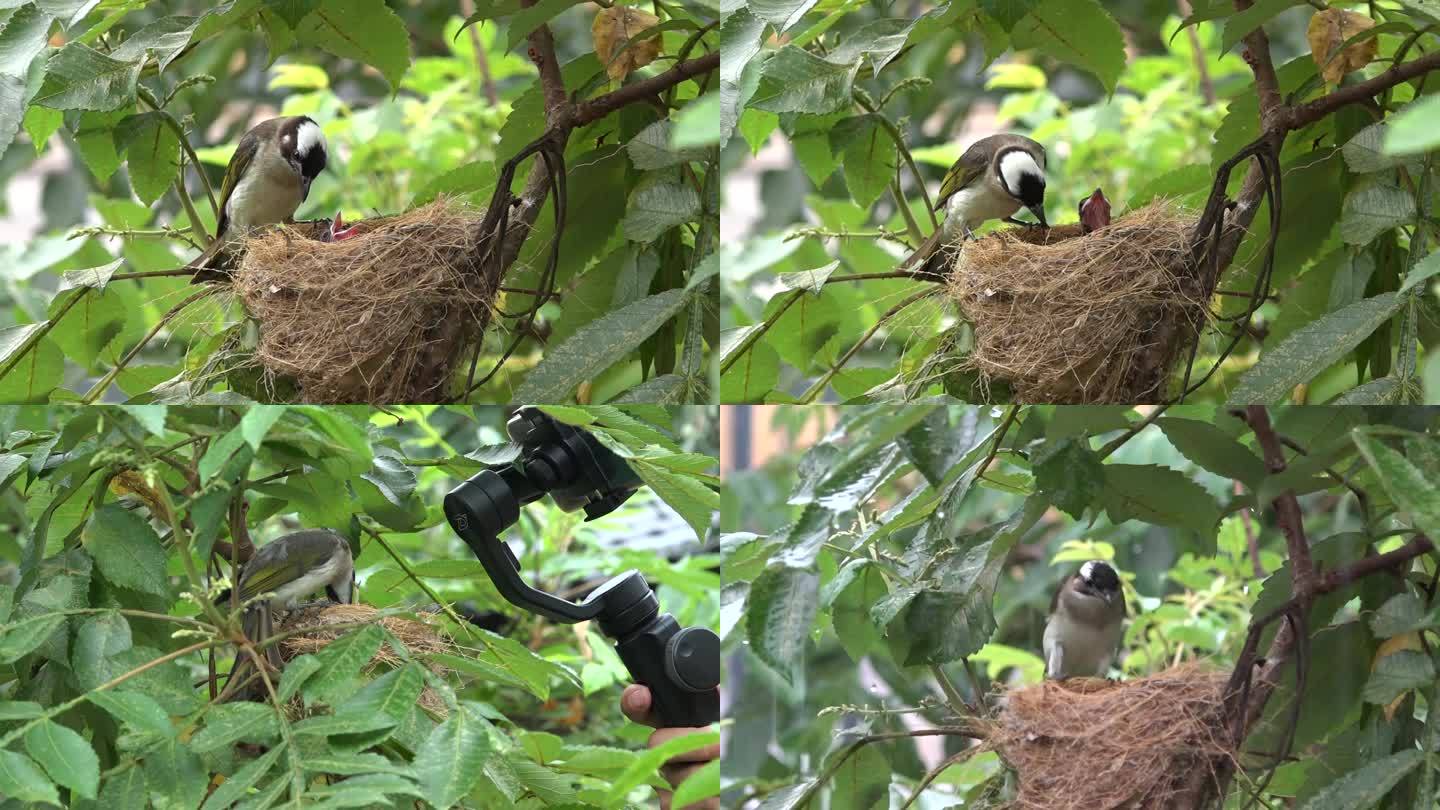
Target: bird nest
[1130,744]
[1063,317]
[321,625]
[379,317]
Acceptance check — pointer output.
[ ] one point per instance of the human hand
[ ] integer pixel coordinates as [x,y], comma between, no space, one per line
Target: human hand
[635,702]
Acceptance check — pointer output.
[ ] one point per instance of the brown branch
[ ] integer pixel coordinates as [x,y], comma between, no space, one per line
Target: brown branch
[597,108]
[1310,112]
[482,64]
[1287,506]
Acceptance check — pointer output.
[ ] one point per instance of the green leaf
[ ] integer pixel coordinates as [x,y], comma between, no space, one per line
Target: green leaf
[1161,496]
[643,766]
[81,78]
[694,501]
[219,452]
[340,662]
[700,785]
[22,37]
[652,149]
[1410,488]
[293,12]
[868,154]
[450,761]
[21,779]
[12,109]
[163,40]
[364,30]
[477,177]
[861,781]
[297,671]
[952,619]
[753,376]
[782,608]
[1398,673]
[1372,208]
[152,152]
[1214,449]
[1080,32]
[232,722]
[391,695]
[1422,271]
[795,80]
[257,421]
[1312,349]
[1403,613]
[1007,12]
[126,549]
[658,207]
[780,13]
[239,784]
[880,40]
[528,18]
[1416,128]
[139,710]
[698,124]
[1364,152]
[1362,788]
[597,346]
[65,756]
[850,608]
[17,639]
[1243,22]
[1070,474]
[325,725]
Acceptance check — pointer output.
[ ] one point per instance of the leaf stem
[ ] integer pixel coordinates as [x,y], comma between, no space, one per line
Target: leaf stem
[819,386]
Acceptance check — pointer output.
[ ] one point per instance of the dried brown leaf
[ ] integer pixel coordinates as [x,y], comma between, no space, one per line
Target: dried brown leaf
[612,29]
[1329,29]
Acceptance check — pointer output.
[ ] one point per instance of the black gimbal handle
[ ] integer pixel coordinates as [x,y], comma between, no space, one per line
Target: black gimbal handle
[680,666]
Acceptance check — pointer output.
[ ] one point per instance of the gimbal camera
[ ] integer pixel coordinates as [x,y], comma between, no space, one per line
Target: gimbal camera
[681,666]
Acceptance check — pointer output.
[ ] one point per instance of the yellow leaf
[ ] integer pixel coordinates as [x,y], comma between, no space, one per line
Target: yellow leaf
[612,29]
[133,483]
[1329,29]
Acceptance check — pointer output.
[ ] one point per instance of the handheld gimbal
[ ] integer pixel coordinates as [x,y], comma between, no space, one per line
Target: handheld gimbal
[681,666]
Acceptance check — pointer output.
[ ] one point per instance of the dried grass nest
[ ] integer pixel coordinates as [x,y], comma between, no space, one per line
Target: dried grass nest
[1069,318]
[418,637]
[1095,745]
[380,317]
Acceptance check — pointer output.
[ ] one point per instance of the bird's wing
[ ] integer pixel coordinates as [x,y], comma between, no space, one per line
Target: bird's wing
[970,167]
[286,559]
[240,161]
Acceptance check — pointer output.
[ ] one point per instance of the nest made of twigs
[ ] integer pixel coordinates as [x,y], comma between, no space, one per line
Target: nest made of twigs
[1063,317]
[380,317]
[1087,744]
[328,622]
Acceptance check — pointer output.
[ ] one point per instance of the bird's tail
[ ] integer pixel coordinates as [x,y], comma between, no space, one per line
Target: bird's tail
[258,625]
[927,258]
[206,265]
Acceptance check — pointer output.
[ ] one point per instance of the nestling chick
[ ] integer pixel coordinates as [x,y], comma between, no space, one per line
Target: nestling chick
[1085,624]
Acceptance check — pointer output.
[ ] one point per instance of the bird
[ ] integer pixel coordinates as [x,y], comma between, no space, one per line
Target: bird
[266,180]
[289,568]
[1094,212]
[1083,631]
[993,179]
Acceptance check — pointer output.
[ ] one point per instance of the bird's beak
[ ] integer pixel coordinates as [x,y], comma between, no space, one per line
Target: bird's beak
[1039,212]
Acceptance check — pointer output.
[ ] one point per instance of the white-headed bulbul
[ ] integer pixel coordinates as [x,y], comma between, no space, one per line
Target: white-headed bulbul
[267,178]
[993,179]
[1086,620]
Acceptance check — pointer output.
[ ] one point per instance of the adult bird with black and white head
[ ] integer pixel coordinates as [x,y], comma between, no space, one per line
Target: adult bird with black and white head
[267,178]
[1086,621]
[993,179]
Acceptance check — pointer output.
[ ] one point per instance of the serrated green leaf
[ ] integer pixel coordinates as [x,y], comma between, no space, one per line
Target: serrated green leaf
[868,156]
[1161,496]
[1312,349]
[139,710]
[795,80]
[780,13]
[1362,788]
[232,722]
[239,783]
[597,346]
[1413,130]
[65,756]
[340,662]
[19,638]
[22,779]
[1372,208]
[152,152]
[1070,474]
[126,549]
[656,208]
[1080,32]
[163,40]
[782,608]
[1212,448]
[450,761]
[364,30]
[1247,20]
[22,37]
[81,78]
[694,501]
[528,18]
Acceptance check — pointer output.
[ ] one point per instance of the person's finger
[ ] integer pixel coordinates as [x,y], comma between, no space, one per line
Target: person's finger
[635,702]
[702,754]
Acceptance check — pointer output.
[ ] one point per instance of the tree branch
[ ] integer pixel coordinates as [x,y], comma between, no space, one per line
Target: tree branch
[593,110]
[1287,506]
[1304,114]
